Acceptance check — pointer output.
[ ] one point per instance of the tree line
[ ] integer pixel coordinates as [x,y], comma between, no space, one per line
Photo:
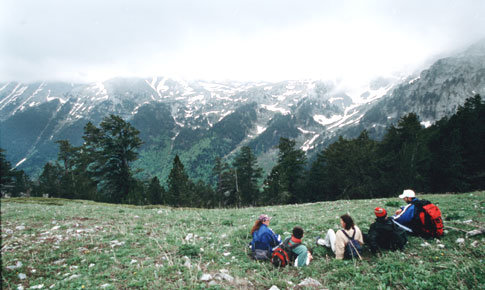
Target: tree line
[448,156]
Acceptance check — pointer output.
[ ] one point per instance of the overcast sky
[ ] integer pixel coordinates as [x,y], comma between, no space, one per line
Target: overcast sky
[90,40]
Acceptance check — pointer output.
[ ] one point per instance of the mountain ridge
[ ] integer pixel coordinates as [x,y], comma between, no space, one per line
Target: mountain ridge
[202,120]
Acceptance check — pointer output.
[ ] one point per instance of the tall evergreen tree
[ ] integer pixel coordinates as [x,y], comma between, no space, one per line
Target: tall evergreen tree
[225,192]
[285,181]
[404,159]
[346,169]
[13,182]
[111,148]
[49,181]
[179,185]
[155,191]
[204,195]
[247,175]
[67,155]
[21,183]
[458,154]
[5,168]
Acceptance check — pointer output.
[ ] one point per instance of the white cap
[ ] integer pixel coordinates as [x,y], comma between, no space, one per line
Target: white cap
[407,193]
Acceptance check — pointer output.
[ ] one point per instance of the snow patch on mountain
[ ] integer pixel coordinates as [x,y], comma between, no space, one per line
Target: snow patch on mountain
[322,120]
[101,90]
[20,162]
[414,80]
[349,113]
[260,129]
[274,108]
[305,131]
[23,104]
[224,114]
[4,86]
[308,144]
[11,97]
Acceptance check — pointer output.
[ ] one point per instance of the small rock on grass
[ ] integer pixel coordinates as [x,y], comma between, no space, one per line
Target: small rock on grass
[206,277]
[187,262]
[22,276]
[460,240]
[17,265]
[224,276]
[309,282]
[72,277]
[274,287]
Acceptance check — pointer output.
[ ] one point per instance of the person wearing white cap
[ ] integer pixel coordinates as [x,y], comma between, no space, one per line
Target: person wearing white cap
[404,216]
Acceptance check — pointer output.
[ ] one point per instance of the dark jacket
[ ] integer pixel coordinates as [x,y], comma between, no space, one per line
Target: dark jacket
[384,234]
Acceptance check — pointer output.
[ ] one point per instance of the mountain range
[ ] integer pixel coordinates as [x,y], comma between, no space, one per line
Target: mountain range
[201,120]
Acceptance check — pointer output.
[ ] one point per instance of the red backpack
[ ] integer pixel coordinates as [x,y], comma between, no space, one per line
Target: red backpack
[428,219]
[283,255]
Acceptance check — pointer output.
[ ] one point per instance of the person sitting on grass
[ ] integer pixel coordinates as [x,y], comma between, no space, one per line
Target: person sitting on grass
[419,217]
[303,256]
[264,239]
[405,215]
[338,241]
[384,234]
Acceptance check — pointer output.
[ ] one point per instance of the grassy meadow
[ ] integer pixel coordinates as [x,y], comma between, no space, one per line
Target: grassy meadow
[74,244]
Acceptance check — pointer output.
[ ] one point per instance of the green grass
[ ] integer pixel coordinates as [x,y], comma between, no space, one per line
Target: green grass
[73,244]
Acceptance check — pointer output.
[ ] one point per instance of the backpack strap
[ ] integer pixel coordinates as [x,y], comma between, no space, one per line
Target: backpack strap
[287,244]
[353,235]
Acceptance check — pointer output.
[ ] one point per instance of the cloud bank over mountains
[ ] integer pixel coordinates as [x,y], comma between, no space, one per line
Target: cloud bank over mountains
[352,41]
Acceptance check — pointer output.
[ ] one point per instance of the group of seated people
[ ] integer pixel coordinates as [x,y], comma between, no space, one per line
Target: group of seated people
[385,233]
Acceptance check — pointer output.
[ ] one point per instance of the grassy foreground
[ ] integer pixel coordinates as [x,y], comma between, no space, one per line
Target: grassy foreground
[72,244]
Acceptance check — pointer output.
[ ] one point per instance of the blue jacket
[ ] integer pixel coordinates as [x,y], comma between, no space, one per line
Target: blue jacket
[265,239]
[406,216]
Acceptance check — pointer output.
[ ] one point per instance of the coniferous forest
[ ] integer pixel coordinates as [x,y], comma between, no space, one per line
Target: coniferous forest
[448,156]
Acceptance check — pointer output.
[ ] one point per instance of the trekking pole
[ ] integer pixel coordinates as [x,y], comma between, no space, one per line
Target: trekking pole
[352,244]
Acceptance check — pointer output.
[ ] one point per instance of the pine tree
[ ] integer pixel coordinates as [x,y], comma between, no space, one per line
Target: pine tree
[458,154]
[155,191]
[109,150]
[404,159]
[5,168]
[346,169]
[179,185]
[67,155]
[247,175]
[286,179]
[49,181]
[225,193]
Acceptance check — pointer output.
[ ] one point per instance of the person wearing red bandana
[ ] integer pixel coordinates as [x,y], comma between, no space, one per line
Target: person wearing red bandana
[384,234]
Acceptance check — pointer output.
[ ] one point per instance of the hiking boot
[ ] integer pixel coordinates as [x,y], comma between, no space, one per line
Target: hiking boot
[322,242]
[319,241]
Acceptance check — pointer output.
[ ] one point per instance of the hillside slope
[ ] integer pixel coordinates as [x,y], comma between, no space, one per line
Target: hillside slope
[81,244]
